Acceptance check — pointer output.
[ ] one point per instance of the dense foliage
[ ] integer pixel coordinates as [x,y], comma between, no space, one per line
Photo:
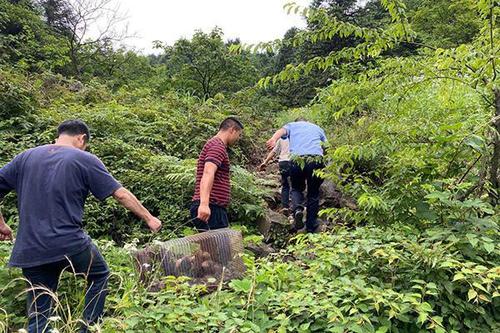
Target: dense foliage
[204,65]
[366,280]
[408,94]
[149,143]
[412,136]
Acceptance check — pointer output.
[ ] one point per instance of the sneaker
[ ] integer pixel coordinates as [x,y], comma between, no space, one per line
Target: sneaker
[298,217]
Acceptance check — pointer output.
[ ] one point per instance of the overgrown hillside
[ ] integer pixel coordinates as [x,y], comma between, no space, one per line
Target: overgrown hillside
[149,142]
[408,94]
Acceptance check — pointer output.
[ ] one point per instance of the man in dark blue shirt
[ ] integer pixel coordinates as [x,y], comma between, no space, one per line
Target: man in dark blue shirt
[52,183]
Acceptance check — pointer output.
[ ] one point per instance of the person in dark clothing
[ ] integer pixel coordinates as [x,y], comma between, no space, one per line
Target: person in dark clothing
[282,150]
[213,184]
[306,149]
[52,183]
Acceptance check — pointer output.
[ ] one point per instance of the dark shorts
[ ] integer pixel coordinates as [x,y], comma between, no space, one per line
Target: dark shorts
[218,217]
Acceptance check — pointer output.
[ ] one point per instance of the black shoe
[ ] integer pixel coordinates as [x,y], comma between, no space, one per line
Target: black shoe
[318,229]
[298,217]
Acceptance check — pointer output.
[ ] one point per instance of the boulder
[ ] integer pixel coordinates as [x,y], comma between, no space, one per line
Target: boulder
[260,250]
[76,86]
[331,196]
[269,220]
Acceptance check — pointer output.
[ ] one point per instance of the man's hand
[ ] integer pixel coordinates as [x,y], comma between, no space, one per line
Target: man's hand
[5,232]
[204,213]
[154,224]
[129,201]
[271,143]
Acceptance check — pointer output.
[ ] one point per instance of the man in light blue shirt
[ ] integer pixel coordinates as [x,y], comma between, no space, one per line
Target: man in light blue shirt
[305,138]
[306,149]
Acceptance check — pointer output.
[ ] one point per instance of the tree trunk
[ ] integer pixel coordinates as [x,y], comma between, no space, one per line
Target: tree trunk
[495,158]
[74,60]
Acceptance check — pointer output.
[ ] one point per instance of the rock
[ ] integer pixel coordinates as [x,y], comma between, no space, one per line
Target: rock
[276,217]
[331,196]
[75,86]
[264,224]
[272,223]
[260,250]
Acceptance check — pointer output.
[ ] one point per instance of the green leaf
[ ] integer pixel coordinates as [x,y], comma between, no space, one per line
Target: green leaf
[426,307]
[480,287]
[489,247]
[475,142]
[241,285]
[424,211]
[422,317]
[382,329]
[473,240]
[471,294]
[439,329]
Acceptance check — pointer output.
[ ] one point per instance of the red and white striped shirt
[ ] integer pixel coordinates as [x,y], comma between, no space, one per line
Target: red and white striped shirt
[215,151]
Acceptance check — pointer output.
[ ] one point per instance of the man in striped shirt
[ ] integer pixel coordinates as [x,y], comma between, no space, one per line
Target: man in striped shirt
[213,185]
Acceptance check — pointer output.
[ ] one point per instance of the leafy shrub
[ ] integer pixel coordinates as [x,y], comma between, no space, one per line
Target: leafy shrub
[17,96]
[371,279]
[365,280]
[148,143]
[407,150]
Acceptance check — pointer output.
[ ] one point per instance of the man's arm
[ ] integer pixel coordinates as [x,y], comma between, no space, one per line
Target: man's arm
[272,141]
[324,142]
[129,201]
[266,161]
[8,177]
[206,183]
[5,231]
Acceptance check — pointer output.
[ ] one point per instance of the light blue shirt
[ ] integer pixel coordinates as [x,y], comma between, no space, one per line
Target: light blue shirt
[305,138]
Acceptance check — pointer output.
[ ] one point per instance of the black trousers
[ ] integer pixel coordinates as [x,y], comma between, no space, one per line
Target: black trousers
[285,183]
[218,217]
[302,176]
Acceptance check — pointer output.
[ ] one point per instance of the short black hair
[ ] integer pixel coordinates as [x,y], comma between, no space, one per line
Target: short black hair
[231,122]
[74,127]
[301,118]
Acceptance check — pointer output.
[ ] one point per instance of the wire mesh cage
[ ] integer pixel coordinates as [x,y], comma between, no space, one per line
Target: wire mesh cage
[212,254]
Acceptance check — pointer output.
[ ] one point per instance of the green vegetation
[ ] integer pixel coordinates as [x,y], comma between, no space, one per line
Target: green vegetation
[408,94]
[136,133]
[365,280]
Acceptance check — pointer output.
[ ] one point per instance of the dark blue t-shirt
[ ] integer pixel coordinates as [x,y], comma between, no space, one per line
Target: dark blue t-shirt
[52,183]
